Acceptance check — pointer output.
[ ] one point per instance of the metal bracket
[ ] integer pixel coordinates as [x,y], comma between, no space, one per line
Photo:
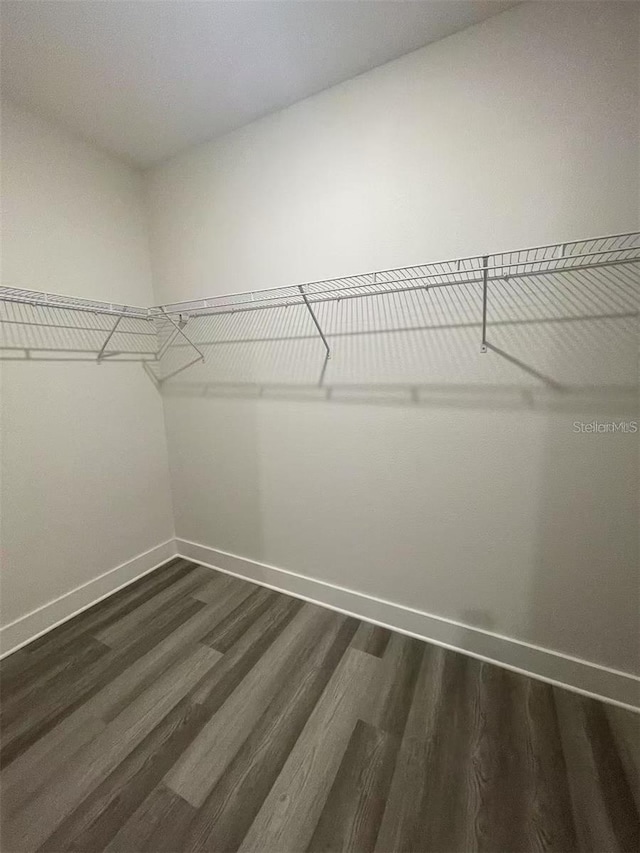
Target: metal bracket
[101,354]
[174,334]
[178,329]
[315,320]
[485,287]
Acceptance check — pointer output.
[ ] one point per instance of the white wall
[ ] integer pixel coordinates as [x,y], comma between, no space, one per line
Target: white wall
[519,131]
[84,467]
[475,501]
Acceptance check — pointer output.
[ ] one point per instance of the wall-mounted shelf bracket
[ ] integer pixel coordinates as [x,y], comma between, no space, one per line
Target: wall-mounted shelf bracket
[103,354]
[174,334]
[315,319]
[485,287]
[178,330]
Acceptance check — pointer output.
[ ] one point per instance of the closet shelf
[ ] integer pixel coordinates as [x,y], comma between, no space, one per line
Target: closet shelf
[525,263]
[71,303]
[115,332]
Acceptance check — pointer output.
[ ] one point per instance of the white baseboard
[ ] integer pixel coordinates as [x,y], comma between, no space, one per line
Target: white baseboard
[591,679]
[32,625]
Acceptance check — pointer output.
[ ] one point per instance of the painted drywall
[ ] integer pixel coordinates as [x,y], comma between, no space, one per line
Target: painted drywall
[519,131]
[461,487]
[84,471]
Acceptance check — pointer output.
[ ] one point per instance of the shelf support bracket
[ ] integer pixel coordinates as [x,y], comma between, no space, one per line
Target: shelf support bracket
[101,354]
[179,331]
[315,320]
[165,346]
[485,287]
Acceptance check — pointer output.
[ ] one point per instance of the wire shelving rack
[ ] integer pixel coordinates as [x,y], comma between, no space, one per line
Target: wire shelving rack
[115,330]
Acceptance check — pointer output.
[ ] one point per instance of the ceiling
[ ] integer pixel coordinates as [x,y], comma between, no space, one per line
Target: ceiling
[147,78]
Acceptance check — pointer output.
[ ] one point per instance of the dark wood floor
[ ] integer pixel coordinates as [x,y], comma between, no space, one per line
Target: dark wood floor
[195,711]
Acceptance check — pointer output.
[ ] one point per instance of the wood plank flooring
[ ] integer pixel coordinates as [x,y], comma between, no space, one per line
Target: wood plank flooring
[195,711]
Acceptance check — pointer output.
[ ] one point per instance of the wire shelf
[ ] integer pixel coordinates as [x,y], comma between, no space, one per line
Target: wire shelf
[554,258]
[521,286]
[72,303]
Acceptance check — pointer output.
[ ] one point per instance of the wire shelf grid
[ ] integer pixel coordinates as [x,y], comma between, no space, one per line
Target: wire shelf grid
[554,258]
[117,331]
